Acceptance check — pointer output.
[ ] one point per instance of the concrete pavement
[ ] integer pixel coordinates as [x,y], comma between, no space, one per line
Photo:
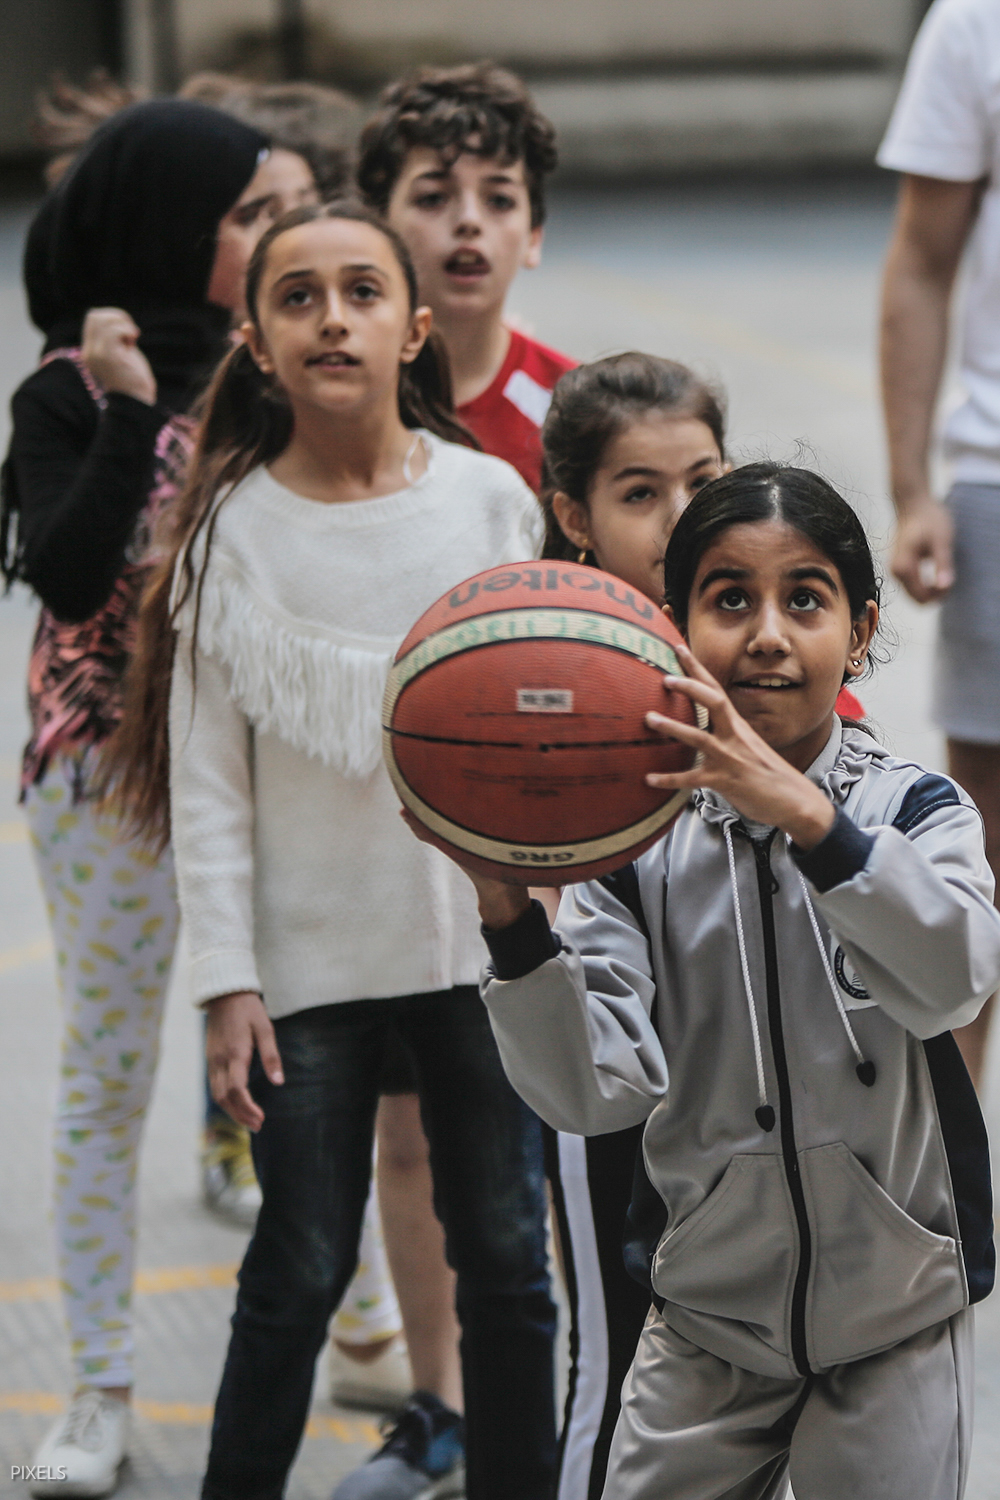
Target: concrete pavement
[771,289]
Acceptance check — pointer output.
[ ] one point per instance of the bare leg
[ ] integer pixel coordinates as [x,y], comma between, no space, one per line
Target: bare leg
[414,1241]
[365,1354]
[977,769]
[368,1320]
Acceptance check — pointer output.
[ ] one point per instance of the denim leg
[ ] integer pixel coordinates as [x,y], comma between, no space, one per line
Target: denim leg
[313,1160]
[489,1191]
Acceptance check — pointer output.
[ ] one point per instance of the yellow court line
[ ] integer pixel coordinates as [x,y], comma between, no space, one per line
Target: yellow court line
[26,953]
[187,1414]
[186,1278]
[147,1283]
[14,832]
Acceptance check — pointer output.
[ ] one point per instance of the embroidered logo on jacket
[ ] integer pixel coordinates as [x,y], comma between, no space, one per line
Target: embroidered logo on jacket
[848,977]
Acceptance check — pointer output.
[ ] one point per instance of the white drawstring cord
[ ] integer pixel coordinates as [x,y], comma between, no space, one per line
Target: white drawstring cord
[865,1069]
[764,1112]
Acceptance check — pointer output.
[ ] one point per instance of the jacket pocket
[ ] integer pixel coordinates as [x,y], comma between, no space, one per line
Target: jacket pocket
[877,1275]
[734,1257]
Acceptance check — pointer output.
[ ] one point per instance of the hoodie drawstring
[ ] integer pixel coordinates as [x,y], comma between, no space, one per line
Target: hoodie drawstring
[865,1069]
[764,1112]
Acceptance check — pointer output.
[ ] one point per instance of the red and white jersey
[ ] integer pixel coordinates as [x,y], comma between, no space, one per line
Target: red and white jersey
[507,417]
[849,707]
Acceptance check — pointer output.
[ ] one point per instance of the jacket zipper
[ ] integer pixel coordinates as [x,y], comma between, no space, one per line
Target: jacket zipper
[766,886]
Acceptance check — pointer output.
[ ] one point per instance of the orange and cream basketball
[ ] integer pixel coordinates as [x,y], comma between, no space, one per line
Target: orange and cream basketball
[514,722]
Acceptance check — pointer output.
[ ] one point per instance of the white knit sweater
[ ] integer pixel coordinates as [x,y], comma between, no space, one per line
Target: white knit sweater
[297,875]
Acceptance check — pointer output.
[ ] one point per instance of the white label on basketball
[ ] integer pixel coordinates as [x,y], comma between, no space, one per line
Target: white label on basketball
[544,700]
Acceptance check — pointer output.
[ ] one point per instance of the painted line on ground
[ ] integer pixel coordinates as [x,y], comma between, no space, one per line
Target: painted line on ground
[147,1283]
[188,1414]
[25,953]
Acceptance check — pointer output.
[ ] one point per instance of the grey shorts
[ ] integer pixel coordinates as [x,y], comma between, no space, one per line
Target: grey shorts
[966,696]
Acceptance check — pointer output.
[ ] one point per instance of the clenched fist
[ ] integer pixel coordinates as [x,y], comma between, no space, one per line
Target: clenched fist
[922,557]
[112,355]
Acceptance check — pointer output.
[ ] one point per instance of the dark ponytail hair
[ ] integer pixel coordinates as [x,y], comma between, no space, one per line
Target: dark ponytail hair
[772,492]
[593,404]
[244,421]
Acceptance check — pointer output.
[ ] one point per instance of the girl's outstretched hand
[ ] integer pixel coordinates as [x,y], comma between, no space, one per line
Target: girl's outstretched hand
[500,904]
[738,764]
[237,1025]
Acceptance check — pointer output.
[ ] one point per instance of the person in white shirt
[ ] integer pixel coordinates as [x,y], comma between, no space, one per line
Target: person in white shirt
[333,498]
[944,137]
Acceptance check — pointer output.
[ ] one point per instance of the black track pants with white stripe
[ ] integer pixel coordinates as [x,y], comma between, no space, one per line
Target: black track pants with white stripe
[591,1182]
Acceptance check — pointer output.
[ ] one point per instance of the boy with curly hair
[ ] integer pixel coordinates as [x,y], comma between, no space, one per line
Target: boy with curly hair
[456,159]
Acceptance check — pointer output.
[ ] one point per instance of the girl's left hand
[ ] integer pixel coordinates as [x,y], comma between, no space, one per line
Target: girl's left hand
[739,765]
[110,350]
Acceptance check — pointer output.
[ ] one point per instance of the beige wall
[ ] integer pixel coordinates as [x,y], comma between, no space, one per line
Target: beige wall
[560,32]
[37,39]
[816,80]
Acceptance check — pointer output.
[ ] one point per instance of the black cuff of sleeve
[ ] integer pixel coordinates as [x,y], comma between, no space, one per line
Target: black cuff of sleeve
[525,945]
[841,855]
[138,414]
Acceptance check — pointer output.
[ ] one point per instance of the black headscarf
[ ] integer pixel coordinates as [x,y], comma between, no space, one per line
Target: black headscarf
[133,225]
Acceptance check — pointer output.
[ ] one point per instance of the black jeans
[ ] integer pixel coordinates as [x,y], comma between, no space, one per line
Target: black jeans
[313,1159]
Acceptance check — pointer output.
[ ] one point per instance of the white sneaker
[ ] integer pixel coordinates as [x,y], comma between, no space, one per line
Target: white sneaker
[228,1181]
[82,1453]
[383,1384]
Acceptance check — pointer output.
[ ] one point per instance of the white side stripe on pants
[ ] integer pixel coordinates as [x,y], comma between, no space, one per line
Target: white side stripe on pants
[584,1420]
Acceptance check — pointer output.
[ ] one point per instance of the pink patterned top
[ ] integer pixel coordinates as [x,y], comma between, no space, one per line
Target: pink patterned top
[76,671]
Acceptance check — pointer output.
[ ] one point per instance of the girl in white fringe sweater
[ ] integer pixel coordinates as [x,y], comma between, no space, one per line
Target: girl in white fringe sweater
[332,498]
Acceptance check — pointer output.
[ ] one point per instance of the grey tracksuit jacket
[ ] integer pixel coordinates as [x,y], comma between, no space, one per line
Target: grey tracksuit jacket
[782,1022]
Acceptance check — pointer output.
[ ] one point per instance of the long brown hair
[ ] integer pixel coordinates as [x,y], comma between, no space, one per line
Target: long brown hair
[245,421]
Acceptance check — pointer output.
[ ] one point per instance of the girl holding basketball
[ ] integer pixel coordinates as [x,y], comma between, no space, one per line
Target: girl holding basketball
[628,442]
[333,496]
[771,988]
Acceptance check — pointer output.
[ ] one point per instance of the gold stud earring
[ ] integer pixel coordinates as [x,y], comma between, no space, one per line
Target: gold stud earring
[581,556]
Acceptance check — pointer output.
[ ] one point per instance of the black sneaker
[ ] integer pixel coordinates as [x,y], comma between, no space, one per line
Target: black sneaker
[422,1458]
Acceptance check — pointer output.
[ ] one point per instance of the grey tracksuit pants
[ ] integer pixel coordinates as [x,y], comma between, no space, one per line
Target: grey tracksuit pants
[896,1426]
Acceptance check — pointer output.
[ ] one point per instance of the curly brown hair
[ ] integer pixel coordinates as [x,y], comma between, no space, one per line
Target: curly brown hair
[316,122]
[447,109]
[67,114]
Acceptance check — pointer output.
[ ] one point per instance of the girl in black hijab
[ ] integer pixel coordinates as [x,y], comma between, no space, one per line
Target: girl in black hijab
[134,270]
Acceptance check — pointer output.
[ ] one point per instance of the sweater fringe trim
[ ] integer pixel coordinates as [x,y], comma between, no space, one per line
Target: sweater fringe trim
[321,697]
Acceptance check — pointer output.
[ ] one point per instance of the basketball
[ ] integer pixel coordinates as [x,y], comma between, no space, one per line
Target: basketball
[514,723]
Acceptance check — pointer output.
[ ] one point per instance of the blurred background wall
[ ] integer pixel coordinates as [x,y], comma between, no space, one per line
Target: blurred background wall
[632,85]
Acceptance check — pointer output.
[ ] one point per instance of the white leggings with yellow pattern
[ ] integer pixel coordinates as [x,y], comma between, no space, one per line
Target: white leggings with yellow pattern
[113,909]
